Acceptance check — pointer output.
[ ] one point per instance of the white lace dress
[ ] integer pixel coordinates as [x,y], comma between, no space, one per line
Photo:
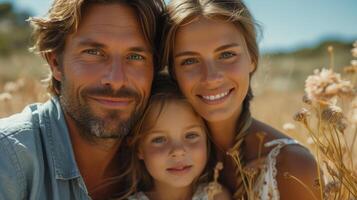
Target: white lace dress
[200,194]
[266,186]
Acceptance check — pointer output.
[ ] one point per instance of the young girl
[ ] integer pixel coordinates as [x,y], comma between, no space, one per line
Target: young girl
[171,150]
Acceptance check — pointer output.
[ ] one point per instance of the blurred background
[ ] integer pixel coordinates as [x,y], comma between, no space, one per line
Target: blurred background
[294,38]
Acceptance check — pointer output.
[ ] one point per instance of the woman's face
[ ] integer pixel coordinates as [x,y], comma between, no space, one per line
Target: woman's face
[212,67]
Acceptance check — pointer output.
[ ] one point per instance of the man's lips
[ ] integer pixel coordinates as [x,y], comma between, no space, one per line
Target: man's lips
[112,102]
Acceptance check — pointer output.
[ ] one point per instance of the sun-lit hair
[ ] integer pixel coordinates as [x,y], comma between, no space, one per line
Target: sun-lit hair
[181,12]
[64,17]
[164,91]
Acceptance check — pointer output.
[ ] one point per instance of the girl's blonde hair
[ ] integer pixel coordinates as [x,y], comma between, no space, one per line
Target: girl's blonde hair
[164,91]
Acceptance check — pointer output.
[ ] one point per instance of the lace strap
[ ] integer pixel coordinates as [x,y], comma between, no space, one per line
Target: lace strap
[281,142]
[271,162]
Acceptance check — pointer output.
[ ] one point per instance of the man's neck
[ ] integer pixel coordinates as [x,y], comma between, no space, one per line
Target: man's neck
[97,160]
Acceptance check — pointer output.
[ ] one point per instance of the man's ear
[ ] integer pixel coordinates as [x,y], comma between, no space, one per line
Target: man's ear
[53,60]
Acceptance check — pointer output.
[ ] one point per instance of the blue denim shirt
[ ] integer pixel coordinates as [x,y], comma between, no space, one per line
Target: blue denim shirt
[36,156]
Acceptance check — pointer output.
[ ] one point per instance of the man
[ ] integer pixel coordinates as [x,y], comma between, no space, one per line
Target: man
[103,59]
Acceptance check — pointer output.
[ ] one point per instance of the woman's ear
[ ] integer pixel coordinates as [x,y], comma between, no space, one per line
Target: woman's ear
[252,67]
[140,154]
[53,62]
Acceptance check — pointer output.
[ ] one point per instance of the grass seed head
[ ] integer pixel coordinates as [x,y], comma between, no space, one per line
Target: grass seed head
[301,116]
[332,114]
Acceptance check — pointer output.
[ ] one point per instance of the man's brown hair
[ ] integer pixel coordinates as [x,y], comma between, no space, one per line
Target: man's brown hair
[64,17]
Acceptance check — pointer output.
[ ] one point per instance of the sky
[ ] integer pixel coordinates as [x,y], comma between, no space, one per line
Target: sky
[286,24]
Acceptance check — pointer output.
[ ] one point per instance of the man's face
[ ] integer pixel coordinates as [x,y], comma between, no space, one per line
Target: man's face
[106,72]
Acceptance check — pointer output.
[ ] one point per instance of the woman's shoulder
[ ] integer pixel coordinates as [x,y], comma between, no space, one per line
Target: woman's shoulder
[295,165]
[264,138]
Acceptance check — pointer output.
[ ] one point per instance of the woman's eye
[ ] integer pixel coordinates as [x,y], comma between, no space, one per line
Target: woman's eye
[226,55]
[158,140]
[189,61]
[135,57]
[95,52]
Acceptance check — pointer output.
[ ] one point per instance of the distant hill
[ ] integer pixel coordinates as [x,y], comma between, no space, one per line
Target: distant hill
[14,30]
[288,70]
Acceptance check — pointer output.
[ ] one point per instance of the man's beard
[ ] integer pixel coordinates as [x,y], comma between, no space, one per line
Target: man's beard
[92,126]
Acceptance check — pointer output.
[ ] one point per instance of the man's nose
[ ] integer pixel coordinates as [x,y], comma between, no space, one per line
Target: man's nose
[115,76]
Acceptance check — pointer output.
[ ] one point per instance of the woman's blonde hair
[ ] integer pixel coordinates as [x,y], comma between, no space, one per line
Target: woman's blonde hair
[64,17]
[181,12]
[164,91]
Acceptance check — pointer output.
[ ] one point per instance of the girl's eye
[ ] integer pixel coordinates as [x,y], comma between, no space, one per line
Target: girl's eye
[94,52]
[189,61]
[135,57]
[192,136]
[158,140]
[226,55]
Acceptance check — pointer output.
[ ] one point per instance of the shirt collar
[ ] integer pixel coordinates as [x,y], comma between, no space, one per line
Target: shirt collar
[54,129]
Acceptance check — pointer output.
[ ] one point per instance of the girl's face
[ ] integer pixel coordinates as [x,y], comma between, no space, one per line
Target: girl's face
[212,67]
[174,150]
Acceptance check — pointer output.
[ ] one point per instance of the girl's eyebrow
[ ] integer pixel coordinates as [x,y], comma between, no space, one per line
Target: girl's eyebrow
[194,126]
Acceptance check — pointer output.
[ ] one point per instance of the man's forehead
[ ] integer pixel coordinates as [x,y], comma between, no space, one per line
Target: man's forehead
[114,15]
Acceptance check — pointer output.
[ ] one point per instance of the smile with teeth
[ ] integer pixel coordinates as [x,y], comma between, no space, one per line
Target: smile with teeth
[215,97]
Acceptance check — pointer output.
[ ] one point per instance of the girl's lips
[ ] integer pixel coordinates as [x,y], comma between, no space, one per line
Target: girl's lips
[179,169]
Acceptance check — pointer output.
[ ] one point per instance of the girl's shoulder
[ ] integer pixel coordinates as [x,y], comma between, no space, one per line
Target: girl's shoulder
[214,189]
[138,196]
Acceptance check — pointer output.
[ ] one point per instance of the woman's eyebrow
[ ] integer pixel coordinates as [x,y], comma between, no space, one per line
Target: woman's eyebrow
[226,46]
[186,53]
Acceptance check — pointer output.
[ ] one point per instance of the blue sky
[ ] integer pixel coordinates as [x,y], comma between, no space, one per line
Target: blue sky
[287,24]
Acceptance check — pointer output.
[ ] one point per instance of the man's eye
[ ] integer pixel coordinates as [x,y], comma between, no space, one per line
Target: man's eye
[189,61]
[95,52]
[135,57]
[226,55]
[158,140]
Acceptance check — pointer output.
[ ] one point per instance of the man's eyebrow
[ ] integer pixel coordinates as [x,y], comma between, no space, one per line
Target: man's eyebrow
[93,43]
[140,49]
[90,42]
[227,46]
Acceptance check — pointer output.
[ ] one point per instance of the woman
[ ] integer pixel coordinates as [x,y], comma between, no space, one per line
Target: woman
[211,50]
